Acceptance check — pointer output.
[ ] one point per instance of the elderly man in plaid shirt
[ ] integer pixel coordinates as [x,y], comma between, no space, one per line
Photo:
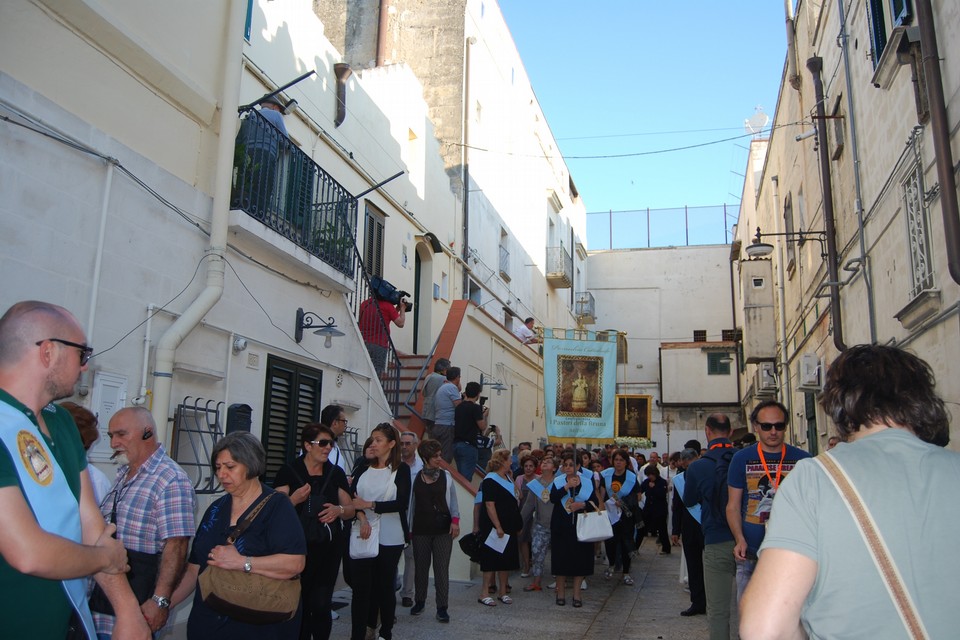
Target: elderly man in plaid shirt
[152,503]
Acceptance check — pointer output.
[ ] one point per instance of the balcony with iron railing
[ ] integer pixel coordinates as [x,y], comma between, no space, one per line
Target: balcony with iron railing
[585,308]
[559,267]
[282,188]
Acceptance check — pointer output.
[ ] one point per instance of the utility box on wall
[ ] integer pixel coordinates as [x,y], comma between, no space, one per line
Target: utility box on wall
[759,323]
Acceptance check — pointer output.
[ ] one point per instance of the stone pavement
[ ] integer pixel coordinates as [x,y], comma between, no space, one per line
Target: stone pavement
[648,610]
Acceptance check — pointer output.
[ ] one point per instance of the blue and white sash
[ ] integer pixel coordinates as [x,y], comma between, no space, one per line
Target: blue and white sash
[536,488]
[679,482]
[586,488]
[45,489]
[503,482]
[629,483]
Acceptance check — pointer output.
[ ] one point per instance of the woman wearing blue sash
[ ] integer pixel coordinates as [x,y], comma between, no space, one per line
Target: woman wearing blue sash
[571,493]
[622,487]
[500,514]
[538,509]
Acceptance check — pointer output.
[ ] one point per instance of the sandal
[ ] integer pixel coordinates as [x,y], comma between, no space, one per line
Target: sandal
[505,599]
[533,587]
[487,601]
[561,602]
[577,603]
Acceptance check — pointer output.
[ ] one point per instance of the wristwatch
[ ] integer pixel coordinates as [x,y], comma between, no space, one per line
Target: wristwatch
[247,567]
[162,603]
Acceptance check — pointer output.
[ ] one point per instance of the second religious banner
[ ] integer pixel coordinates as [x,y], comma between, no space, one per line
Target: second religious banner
[580,381]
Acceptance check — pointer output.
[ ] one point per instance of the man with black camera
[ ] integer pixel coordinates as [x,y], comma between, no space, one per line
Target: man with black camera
[376,314]
[469,424]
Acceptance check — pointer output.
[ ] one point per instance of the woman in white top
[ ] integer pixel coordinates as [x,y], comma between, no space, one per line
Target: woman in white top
[381,491]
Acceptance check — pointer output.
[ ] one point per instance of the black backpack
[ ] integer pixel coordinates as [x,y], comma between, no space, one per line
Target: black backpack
[721,461]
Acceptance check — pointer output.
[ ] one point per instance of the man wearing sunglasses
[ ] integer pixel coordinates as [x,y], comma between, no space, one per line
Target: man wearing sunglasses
[52,534]
[752,481]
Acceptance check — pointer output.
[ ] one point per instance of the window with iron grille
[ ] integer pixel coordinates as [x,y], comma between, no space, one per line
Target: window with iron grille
[373,241]
[291,401]
[699,335]
[918,229]
[731,335]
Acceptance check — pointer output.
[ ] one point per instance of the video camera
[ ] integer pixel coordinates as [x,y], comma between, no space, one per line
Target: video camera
[384,290]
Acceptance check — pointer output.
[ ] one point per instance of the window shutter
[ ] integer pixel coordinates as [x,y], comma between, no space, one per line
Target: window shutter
[292,401]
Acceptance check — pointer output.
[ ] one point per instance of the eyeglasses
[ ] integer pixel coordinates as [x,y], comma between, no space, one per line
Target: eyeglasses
[766,426]
[85,352]
[322,443]
[343,420]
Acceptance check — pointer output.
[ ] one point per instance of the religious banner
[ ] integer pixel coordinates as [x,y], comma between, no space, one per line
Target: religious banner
[633,416]
[580,381]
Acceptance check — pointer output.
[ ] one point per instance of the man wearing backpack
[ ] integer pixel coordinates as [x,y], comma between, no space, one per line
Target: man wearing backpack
[706,485]
[752,481]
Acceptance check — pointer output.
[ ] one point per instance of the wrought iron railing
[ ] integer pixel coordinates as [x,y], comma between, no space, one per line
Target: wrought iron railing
[197,427]
[279,185]
[560,263]
[504,262]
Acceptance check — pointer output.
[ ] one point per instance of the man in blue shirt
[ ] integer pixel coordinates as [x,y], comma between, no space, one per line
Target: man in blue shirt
[702,487]
[260,138]
[445,404]
[754,477]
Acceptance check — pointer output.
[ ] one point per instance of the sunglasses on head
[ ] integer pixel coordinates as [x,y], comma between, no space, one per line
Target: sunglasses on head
[766,426]
[322,443]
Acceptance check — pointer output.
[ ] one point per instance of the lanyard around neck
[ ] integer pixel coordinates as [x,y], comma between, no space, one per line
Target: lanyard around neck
[721,445]
[763,461]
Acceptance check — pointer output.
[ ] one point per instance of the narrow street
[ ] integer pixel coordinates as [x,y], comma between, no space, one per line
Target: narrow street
[648,610]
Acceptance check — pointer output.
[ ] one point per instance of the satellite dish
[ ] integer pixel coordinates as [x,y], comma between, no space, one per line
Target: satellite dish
[756,123]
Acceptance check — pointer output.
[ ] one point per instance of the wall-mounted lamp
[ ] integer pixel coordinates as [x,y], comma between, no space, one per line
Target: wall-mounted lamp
[493,384]
[239,345]
[309,320]
[760,249]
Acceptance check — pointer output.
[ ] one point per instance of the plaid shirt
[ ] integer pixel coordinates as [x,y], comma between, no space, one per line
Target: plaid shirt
[156,504]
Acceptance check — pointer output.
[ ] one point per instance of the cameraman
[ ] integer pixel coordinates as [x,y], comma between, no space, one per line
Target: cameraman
[376,314]
[469,423]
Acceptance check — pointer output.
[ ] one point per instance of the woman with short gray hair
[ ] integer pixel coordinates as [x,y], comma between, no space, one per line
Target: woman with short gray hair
[272,545]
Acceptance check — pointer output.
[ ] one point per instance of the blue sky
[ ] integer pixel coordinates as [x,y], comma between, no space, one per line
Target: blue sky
[635,77]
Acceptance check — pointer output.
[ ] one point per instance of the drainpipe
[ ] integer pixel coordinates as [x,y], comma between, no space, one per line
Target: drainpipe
[792,74]
[941,136]
[786,396]
[84,387]
[815,65]
[193,315]
[465,163]
[343,72]
[858,192]
[382,32]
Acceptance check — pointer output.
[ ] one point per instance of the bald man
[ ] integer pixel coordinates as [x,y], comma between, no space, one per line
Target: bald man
[53,535]
[152,503]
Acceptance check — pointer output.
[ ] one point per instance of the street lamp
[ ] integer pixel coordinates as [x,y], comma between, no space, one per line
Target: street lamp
[310,320]
[760,249]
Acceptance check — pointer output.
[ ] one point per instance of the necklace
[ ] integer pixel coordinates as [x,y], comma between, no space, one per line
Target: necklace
[763,461]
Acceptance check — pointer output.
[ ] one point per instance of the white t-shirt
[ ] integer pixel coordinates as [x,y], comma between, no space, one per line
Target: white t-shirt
[376,485]
[525,334]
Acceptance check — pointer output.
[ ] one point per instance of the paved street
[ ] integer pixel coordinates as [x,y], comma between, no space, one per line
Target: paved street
[648,610]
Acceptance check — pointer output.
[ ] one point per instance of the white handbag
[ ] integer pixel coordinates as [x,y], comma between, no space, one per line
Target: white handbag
[593,526]
[365,548]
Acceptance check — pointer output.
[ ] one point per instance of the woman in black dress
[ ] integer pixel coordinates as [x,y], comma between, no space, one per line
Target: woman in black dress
[572,493]
[500,514]
[319,492]
[655,507]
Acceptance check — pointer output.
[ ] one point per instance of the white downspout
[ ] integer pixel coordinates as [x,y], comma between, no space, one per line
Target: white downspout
[191,317]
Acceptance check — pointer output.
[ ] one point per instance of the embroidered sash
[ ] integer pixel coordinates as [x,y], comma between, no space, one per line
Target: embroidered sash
[536,488]
[45,489]
[586,488]
[628,486]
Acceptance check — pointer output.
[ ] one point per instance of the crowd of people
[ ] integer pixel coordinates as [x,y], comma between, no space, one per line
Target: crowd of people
[748,515]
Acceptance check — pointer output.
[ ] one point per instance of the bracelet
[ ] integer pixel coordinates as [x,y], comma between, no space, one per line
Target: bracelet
[341,508]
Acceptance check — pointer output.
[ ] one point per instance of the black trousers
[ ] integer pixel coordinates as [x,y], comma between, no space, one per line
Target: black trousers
[621,545]
[373,593]
[317,583]
[657,523]
[436,549]
[692,539]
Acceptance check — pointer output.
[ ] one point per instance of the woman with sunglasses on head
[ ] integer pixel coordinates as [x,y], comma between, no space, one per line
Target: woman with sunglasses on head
[319,491]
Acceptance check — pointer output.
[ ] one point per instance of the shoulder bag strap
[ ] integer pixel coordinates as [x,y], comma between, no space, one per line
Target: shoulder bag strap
[876,545]
[247,521]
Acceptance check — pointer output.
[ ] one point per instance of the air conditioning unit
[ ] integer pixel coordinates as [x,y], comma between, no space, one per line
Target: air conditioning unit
[766,379]
[810,373]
